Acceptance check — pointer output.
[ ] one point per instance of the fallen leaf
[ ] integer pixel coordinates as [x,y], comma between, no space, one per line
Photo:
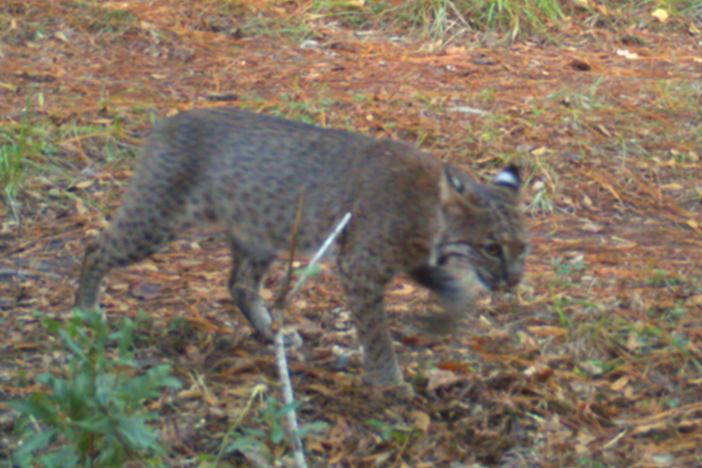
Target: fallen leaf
[629,392]
[85,184]
[146,266]
[626,54]
[660,14]
[603,130]
[583,441]
[633,343]
[456,50]
[694,300]
[116,5]
[80,207]
[191,393]
[546,331]
[467,110]
[539,151]
[526,340]
[591,368]
[146,291]
[645,428]
[421,420]
[540,372]
[194,355]
[61,35]
[441,378]
[620,383]
[453,366]
[592,227]
[556,430]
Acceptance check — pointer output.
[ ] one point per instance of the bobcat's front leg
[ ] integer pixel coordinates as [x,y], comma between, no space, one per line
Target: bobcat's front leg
[365,295]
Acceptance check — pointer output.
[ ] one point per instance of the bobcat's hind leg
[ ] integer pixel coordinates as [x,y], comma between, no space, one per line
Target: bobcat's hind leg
[138,231]
[244,285]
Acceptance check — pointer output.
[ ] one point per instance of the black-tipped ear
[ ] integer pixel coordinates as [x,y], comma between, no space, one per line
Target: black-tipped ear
[453,180]
[509,177]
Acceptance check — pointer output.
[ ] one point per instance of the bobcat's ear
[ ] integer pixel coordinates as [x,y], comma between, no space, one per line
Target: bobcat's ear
[455,193]
[509,177]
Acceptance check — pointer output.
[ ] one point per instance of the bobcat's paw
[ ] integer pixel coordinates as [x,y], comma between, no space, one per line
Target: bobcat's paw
[293,340]
[398,389]
[403,391]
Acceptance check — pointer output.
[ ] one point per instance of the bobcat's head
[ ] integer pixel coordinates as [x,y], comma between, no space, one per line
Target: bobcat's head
[482,228]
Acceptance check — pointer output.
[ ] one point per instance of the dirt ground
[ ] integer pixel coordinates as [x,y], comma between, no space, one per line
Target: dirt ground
[594,362]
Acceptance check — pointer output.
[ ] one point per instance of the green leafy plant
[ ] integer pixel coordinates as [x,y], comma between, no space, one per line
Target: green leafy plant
[398,434]
[269,438]
[92,411]
[664,279]
[569,271]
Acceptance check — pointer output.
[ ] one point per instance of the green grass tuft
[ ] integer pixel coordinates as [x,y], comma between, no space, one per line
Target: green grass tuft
[447,19]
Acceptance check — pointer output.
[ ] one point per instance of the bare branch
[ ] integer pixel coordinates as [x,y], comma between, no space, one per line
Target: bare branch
[279,341]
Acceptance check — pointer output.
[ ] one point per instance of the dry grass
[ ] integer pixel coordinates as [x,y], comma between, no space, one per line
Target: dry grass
[595,363]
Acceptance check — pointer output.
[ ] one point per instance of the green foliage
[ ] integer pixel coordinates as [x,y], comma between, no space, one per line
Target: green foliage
[290,107]
[97,19]
[446,19]
[12,154]
[570,271]
[269,437]
[391,433]
[92,413]
[664,279]
[351,14]
[11,164]
[432,18]
[589,463]
[542,202]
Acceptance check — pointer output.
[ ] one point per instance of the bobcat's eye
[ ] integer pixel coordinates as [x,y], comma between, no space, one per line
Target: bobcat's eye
[494,250]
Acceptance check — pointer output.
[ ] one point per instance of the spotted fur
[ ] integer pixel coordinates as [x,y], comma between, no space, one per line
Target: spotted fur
[245,174]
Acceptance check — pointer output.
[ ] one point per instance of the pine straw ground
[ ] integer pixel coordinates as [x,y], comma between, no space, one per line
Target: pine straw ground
[595,362]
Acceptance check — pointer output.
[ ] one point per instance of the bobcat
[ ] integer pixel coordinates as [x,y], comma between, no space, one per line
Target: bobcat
[245,172]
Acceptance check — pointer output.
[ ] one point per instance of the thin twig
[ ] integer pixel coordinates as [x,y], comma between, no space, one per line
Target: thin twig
[279,302]
[320,253]
[281,359]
